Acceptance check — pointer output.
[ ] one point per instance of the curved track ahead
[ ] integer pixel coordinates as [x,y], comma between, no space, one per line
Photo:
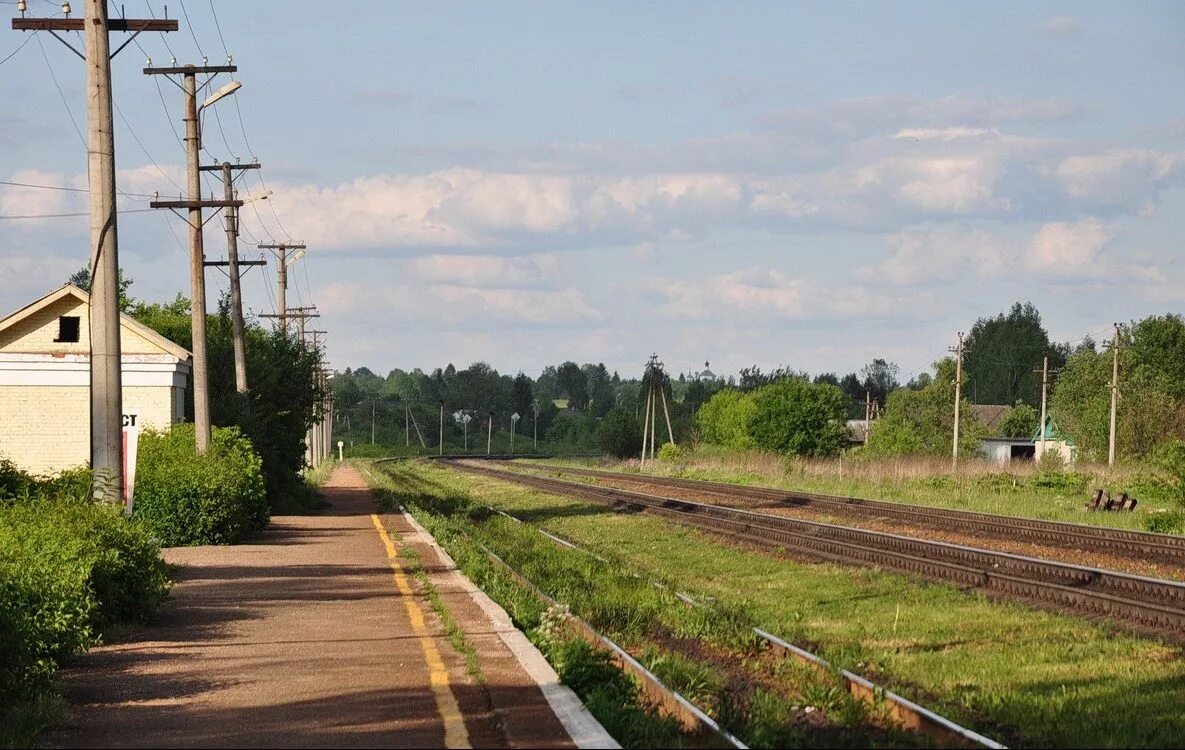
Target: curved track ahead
[1142,545]
[1153,604]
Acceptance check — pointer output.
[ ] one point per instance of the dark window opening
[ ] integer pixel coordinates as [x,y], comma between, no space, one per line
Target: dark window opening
[67,329]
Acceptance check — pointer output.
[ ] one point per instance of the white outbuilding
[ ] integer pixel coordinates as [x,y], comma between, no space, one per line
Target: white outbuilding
[45,381]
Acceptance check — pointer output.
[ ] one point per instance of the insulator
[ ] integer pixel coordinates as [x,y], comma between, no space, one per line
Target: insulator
[66,8]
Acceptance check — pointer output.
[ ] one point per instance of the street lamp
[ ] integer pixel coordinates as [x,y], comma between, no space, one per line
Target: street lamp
[226,90]
[513,429]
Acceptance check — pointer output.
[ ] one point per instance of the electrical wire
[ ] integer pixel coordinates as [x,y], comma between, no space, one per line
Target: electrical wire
[11,217]
[189,25]
[58,86]
[12,54]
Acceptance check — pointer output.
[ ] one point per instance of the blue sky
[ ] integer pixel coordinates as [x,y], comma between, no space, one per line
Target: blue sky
[810,185]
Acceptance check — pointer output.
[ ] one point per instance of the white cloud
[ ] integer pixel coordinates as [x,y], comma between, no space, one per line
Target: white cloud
[1060,26]
[1128,177]
[488,270]
[1054,249]
[1065,248]
[450,304]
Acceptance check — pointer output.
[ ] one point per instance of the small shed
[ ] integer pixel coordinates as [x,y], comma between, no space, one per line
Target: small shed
[1055,442]
[1005,451]
[45,380]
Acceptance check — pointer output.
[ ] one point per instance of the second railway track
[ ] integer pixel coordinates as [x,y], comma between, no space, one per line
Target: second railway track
[1137,545]
[1152,604]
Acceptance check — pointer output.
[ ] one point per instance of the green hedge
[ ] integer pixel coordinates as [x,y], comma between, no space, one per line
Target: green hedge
[68,568]
[187,499]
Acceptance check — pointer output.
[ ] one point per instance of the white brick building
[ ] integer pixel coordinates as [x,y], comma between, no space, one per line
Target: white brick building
[45,380]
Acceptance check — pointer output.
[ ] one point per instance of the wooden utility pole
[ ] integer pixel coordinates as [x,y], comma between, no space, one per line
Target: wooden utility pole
[958,398]
[646,425]
[106,386]
[197,258]
[232,271]
[283,260]
[1114,397]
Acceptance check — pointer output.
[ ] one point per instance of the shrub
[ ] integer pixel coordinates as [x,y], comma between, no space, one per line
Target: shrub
[670,452]
[68,568]
[1165,522]
[794,416]
[724,419]
[13,482]
[1169,462]
[573,430]
[187,499]
[619,434]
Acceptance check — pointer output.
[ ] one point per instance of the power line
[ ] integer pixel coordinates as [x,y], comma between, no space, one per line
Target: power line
[60,92]
[70,189]
[189,24]
[18,49]
[218,27]
[63,216]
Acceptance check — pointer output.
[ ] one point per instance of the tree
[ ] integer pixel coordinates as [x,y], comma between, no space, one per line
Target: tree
[921,422]
[1149,412]
[1021,422]
[1004,354]
[793,416]
[573,382]
[620,434]
[521,396]
[724,419]
[880,378]
[600,388]
[82,279]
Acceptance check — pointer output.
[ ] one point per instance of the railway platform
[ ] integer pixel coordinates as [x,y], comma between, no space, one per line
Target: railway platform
[319,635]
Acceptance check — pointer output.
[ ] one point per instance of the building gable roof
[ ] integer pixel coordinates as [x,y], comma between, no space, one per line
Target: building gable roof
[990,415]
[125,321]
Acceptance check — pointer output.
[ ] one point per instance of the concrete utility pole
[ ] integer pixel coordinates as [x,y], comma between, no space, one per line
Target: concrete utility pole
[197,257]
[958,398]
[1044,398]
[441,452]
[406,428]
[490,436]
[283,260]
[232,271]
[1114,396]
[106,386]
[372,412]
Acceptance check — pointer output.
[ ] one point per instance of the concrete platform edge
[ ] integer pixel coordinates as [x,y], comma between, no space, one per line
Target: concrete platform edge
[580,724]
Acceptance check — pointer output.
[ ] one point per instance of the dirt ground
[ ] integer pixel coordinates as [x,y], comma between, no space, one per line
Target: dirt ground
[307,638]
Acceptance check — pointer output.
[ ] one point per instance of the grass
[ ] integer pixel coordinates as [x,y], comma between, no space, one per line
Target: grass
[21,723]
[1024,677]
[452,630]
[710,656]
[1022,490]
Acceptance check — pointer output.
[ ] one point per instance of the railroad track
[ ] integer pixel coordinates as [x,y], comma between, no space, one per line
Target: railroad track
[1153,604]
[1143,545]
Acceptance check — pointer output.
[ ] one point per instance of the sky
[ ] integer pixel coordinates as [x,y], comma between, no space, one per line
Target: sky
[809,185]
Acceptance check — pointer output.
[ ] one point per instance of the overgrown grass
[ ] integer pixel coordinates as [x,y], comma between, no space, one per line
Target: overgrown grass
[1025,677]
[711,655]
[1022,490]
[452,630]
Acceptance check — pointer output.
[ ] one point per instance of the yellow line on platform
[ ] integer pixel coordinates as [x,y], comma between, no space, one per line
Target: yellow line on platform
[455,733]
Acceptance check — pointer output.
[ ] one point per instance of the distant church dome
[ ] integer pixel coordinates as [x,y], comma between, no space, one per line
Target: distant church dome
[706,374]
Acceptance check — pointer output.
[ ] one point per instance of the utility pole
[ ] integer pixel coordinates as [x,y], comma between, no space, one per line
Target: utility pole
[232,271]
[283,260]
[490,436]
[535,409]
[441,452]
[406,428]
[372,413]
[106,384]
[1044,399]
[197,258]
[1114,396]
[958,398]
